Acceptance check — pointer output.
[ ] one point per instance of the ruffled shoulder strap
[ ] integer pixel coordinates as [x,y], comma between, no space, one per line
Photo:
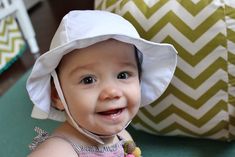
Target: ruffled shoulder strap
[41,137]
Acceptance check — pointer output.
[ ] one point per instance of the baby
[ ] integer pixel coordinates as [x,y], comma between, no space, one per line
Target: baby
[94,78]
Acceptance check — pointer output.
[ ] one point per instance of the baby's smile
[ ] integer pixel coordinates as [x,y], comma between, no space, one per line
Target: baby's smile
[111,112]
[115,115]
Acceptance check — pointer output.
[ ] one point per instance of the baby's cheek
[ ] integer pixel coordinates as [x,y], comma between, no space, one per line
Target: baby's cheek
[134,96]
[136,104]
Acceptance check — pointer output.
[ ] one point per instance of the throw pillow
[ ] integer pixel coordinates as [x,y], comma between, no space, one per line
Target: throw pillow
[200,101]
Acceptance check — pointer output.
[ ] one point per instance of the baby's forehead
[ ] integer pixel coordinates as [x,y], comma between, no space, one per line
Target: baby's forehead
[111,45]
[106,43]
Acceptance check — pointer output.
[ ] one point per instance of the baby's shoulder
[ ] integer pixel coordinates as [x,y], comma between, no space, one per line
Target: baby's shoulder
[54,147]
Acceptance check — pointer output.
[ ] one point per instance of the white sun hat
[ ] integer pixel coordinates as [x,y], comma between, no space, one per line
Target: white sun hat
[80,29]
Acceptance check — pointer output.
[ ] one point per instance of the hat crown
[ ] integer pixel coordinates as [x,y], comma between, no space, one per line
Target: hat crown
[87,24]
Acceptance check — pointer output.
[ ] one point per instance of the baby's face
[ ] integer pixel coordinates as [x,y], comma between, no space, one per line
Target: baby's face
[101,86]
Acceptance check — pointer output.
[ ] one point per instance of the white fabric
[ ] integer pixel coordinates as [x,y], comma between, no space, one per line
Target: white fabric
[80,29]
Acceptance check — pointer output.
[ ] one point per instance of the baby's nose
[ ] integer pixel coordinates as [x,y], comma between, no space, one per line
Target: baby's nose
[111,92]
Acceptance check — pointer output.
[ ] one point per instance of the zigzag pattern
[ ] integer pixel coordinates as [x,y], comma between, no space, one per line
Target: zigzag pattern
[200,101]
[230,19]
[11,41]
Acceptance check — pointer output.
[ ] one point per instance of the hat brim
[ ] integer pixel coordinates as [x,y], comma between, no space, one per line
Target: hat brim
[159,63]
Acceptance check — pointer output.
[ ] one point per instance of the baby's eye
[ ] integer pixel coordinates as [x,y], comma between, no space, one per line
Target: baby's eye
[88,80]
[123,75]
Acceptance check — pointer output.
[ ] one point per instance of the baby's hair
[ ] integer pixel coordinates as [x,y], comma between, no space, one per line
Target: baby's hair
[139,61]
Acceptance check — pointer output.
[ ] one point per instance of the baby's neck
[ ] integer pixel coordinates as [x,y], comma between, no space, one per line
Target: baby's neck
[70,132]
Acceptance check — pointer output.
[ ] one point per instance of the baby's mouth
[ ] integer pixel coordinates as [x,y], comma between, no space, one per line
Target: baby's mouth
[111,112]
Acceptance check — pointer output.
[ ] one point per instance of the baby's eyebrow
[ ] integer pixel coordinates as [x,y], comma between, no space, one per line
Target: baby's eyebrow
[129,64]
[92,65]
[82,67]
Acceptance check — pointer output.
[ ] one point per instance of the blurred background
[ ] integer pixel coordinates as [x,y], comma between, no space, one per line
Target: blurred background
[45,16]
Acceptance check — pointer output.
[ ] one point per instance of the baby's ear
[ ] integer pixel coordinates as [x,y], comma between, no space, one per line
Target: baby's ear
[56,102]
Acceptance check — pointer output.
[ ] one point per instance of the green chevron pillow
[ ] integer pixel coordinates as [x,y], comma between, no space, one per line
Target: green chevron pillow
[12,44]
[200,101]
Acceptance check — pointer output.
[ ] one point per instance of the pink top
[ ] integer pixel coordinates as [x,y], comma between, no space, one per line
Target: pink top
[115,150]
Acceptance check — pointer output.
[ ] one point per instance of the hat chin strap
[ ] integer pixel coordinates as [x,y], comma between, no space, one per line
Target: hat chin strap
[97,138]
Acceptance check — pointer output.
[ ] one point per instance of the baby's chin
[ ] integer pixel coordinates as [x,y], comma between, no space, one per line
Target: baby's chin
[109,132]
